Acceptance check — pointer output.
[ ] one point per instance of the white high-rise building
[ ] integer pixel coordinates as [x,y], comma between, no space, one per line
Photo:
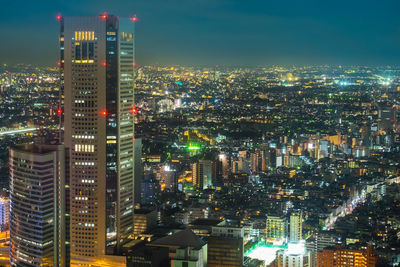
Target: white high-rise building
[295,233]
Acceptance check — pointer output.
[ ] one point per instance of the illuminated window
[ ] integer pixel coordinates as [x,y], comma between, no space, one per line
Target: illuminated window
[84,36]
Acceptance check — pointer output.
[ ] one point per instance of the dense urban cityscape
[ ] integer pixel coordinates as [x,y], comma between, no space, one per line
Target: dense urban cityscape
[105,162]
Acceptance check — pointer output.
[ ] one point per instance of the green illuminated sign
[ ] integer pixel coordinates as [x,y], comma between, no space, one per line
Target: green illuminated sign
[193,146]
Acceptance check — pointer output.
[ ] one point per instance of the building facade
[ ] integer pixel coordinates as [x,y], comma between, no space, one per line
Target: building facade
[4,213]
[37,193]
[225,247]
[276,228]
[295,255]
[296,226]
[202,173]
[338,256]
[97,102]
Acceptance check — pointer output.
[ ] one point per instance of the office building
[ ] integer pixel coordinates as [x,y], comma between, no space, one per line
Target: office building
[225,246]
[185,248]
[170,178]
[321,240]
[138,170]
[386,117]
[202,172]
[97,102]
[144,220]
[150,187]
[38,232]
[296,228]
[4,213]
[148,257]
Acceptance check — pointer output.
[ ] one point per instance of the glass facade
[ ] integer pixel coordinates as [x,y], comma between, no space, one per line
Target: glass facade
[37,225]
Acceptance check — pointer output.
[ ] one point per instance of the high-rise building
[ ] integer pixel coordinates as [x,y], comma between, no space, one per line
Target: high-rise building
[386,117]
[150,188]
[319,241]
[217,172]
[4,213]
[169,175]
[97,98]
[144,220]
[296,228]
[254,162]
[276,228]
[37,192]
[138,170]
[202,172]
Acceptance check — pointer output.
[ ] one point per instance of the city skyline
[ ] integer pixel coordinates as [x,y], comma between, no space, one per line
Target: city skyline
[114,153]
[231,33]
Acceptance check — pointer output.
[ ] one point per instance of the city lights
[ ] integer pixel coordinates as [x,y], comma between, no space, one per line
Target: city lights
[230,145]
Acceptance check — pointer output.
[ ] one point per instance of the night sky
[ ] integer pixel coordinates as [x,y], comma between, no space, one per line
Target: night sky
[224,32]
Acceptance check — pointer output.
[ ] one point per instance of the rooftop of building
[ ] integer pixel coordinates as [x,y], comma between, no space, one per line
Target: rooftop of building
[184,238]
[143,211]
[206,222]
[40,149]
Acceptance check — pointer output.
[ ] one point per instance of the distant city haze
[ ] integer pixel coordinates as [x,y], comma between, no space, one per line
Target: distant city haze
[223,32]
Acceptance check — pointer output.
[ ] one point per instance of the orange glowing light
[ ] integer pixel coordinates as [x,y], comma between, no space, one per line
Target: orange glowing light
[104,112]
[134,110]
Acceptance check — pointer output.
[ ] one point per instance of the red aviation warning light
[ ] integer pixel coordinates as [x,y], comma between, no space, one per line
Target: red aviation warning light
[134,64]
[58,17]
[59,111]
[104,112]
[104,63]
[104,15]
[134,18]
[134,110]
[59,63]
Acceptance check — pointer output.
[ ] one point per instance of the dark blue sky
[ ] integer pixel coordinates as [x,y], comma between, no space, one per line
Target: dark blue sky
[224,32]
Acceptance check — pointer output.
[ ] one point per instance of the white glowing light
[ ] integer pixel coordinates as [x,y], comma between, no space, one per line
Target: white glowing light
[296,248]
[266,254]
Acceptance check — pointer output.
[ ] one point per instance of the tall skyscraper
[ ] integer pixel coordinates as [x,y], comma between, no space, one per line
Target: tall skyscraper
[296,227]
[97,99]
[38,231]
